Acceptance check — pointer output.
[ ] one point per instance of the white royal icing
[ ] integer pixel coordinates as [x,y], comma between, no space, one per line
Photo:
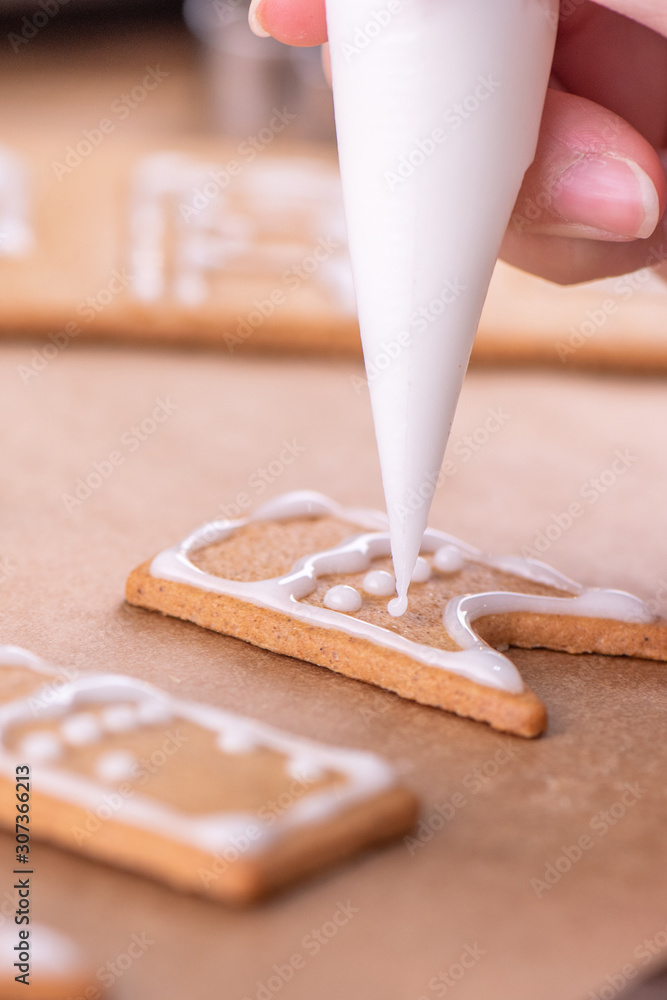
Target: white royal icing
[380,583]
[81,729]
[51,952]
[116,765]
[362,774]
[41,746]
[475,660]
[119,718]
[16,656]
[448,559]
[342,598]
[422,571]
[186,228]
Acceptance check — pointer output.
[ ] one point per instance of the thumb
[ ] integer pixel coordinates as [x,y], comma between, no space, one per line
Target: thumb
[594,180]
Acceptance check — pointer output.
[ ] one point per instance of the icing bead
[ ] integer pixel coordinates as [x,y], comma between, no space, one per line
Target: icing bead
[119,718]
[41,746]
[236,740]
[153,713]
[422,571]
[342,598]
[81,729]
[448,559]
[116,765]
[379,583]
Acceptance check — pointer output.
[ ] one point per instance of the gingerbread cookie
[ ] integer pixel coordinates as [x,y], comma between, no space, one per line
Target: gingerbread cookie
[243,247]
[205,800]
[204,242]
[308,578]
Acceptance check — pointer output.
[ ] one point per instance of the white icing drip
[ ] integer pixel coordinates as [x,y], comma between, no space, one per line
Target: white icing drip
[380,583]
[398,606]
[16,237]
[448,559]
[119,718]
[52,954]
[363,774]
[81,729]
[258,223]
[422,571]
[342,598]
[40,746]
[475,660]
[116,765]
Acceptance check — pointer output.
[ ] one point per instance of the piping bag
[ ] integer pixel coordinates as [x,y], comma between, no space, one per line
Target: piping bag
[438,106]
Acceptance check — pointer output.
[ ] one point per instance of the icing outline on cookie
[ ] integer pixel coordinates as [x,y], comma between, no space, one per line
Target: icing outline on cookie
[476,660]
[365,774]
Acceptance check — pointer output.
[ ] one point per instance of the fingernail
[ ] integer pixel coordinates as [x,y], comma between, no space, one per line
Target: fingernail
[610,194]
[254,19]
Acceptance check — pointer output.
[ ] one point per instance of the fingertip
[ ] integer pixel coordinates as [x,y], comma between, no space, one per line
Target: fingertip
[593,177]
[295,22]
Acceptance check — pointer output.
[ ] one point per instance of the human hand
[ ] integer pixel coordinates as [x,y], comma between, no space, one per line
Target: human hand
[592,203]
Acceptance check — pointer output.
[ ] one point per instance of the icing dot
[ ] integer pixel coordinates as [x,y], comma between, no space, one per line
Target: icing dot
[153,713]
[380,583]
[239,740]
[116,765]
[422,571]
[41,746]
[448,559]
[398,606]
[119,718]
[342,598]
[81,729]
[305,769]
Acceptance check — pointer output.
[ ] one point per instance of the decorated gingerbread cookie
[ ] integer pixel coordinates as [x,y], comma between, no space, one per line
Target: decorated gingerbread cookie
[205,800]
[308,578]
